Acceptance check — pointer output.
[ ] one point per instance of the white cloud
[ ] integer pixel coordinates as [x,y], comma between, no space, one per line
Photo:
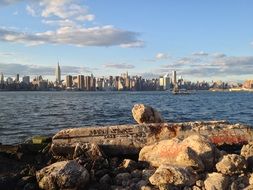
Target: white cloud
[93,36]
[89,17]
[200,53]
[119,66]
[30,10]
[137,43]
[160,56]
[219,55]
[68,16]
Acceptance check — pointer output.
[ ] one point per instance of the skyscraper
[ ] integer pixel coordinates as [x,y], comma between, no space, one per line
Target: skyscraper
[174,73]
[58,73]
[2,78]
[17,78]
[69,81]
[80,82]
[26,79]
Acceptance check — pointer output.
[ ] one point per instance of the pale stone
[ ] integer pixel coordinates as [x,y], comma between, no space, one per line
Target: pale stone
[247,152]
[231,164]
[146,114]
[216,181]
[251,179]
[173,175]
[204,149]
[171,151]
[63,175]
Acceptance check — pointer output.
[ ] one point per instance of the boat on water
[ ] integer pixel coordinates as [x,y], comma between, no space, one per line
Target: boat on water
[177,91]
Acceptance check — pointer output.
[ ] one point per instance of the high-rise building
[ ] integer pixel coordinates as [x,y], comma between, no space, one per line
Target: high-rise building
[80,82]
[87,83]
[2,78]
[26,79]
[174,75]
[69,81]
[17,78]
[166,82]
[58,73]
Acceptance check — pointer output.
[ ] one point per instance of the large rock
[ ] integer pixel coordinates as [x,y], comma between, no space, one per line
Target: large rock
[171,151]
[146,114]
[204,148]
[216,181]
[129,139]
[173,175]
[63,175]
[247,152]
[231,164]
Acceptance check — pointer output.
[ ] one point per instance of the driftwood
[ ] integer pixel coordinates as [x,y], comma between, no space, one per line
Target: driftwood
[129,139]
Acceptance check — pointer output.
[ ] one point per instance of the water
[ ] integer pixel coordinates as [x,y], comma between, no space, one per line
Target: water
[25,114]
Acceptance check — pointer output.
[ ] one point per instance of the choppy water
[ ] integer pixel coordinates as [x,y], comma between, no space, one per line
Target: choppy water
[25,114]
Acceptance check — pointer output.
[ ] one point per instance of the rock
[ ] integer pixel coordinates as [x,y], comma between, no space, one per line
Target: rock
[147,173]
[146,114]
[173,175]
[204,149]
[129,164]
[63,175]
[251,179]
[247,152]
[141,183]
[231,164]
[129,139]
[171,151]
[216,181]
[88,150]
[106,179]
[136,174]
[122,177]
[200,183]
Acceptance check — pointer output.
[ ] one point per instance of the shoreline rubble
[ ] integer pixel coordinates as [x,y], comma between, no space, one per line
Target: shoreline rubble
[151,155]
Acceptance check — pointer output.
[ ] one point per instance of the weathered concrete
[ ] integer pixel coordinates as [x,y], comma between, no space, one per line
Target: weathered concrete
[129,139]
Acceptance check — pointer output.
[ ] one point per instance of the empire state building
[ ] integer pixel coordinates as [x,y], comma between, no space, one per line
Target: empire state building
[58,73]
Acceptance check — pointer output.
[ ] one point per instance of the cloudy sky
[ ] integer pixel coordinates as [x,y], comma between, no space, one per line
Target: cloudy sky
[202,40]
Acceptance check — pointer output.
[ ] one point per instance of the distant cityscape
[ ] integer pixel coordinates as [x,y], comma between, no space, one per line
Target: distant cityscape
[124,82]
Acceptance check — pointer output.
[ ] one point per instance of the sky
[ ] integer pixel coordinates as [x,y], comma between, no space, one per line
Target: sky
[201,40]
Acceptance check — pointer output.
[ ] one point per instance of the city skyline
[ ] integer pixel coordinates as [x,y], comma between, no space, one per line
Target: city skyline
[212,40]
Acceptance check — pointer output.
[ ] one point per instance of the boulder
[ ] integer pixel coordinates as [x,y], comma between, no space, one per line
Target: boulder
[247,152]
[204,149]
[63,175]
[171,151]
[231,164]
[216,181]
[173,175]
[146,114]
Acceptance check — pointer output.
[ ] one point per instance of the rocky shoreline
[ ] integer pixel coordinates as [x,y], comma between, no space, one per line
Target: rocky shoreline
[151,155]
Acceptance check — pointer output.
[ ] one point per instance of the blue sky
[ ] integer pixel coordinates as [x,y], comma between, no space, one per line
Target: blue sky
[202,40]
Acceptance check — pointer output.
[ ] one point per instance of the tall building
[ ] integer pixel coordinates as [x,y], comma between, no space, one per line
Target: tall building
[174,77]
[26,79]
[166,82]
[80,82]
[69,81]
[58,73]
[2,78]
[87,83]
[17,78]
